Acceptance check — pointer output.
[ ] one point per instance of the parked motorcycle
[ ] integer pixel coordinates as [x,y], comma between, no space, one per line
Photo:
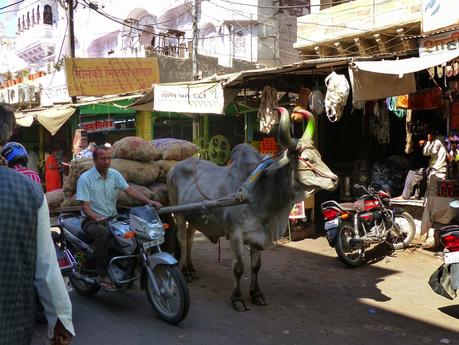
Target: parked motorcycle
[134,253]
[352,227]
[445,280]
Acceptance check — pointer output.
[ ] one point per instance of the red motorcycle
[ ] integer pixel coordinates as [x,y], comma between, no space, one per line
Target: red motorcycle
[352,227]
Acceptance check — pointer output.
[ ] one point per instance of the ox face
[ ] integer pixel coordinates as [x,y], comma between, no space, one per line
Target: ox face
[310,172]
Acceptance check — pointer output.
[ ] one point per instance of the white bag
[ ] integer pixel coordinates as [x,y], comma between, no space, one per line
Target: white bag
[336,97]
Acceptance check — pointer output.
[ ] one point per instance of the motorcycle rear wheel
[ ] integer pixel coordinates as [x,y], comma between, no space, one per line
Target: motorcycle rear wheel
[352,257]
[408,232]
[81,287]
[172,302]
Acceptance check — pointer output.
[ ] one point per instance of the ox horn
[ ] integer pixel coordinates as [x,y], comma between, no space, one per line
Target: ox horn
[310,127]
[284,130]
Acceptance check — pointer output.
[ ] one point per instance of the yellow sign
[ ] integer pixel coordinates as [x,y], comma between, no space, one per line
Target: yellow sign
[110,76]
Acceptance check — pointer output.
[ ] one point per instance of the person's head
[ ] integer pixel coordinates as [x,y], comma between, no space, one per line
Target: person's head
[15,153]
[92,146]
[102,158]
[7,123]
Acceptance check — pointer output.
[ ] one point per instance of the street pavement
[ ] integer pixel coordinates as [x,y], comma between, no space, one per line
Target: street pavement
[313,299]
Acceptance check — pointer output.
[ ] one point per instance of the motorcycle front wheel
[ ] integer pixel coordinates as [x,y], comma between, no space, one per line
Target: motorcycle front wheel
[350,254]
[402,238]
[172,302]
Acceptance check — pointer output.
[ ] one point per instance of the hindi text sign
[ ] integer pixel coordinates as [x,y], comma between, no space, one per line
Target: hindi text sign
[97,126]
[110,76]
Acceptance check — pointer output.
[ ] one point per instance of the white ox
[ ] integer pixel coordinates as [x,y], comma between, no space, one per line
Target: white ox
[264,219]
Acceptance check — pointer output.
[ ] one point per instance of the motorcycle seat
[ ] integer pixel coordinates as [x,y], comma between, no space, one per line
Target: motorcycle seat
[449,228]
[74,226]
[347,206]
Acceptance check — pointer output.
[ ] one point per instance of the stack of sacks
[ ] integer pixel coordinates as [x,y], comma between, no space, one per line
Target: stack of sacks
[140,163]
[54,198]
[172,150]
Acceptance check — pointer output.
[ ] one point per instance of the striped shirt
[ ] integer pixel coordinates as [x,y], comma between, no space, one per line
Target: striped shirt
[27,172]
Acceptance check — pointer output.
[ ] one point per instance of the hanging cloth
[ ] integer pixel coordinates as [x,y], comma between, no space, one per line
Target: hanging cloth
[409,134]
[392,106]
[266,114]
[379,123]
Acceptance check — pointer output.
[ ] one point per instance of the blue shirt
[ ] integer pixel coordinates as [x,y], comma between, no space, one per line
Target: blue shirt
[101,193]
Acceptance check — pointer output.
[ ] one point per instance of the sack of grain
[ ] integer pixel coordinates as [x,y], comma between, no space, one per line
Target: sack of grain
[77,167]
[175,149]
[141,173]
[136,149]
[125,200]
[55,198]
[70,202]
[164,167]
[159,193]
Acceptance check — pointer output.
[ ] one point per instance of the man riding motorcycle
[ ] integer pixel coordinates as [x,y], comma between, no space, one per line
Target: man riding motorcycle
[97,192]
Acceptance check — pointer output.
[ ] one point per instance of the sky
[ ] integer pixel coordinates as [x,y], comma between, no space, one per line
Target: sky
[8,19]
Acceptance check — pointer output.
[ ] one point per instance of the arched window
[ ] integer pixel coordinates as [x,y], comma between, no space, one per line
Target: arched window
[28,21]
[23,23]
[33,17]
[19,25]
[38,14]
[47,15]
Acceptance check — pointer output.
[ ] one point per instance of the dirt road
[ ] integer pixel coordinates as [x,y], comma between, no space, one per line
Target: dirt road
[313,299]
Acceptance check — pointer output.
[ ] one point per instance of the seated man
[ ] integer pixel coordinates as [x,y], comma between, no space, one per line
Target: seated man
[16,155]
[435,148]
[87,152]
[97,191]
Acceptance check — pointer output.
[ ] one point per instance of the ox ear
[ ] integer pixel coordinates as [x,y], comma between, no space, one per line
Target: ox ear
[284,130]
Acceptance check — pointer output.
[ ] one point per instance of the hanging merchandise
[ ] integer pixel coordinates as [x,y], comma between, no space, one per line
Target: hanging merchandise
[358,105]
[409,134]
[267,115]
[421,100]
[303,97]
[392,106]
[336,97]
[316,102]
[379,123]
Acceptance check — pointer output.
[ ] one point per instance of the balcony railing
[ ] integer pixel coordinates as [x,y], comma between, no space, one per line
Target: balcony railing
[354,19]
[34,35]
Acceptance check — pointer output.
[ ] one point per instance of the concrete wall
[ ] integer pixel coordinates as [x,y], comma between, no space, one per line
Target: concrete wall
[175,70]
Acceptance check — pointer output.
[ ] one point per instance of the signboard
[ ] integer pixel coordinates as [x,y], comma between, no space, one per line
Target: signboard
[438,44]
[110,76]
[439,14]
[298,211]
[201,98]
[97,126]
[54,89]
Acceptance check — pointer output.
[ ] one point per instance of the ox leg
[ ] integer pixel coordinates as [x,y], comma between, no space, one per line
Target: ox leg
[192,274]
[182,236]
[236,245]
[255,291]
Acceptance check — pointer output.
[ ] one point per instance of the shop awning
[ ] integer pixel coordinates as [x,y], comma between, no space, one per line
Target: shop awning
[52,118]
[405,66]
[212,94]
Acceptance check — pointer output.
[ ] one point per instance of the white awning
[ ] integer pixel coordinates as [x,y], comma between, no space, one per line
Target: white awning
[409,65]
[52,118]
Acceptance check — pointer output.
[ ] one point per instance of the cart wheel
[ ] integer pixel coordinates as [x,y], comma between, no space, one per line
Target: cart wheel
[219,149]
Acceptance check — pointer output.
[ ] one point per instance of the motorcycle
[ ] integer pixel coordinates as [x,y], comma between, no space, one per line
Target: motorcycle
[445,280]
[352,227]
[134,254]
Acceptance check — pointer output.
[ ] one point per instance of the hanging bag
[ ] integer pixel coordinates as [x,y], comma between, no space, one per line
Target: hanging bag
[336,97]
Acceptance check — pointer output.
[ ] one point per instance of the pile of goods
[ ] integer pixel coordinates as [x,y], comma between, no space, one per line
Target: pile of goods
[143,164]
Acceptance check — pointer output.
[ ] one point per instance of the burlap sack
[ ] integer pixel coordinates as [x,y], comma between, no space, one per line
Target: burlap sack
[77,167]
[141,173]
[159,193]
[70,202]
[164,167]
[125,200]
[175,149]
[55,198]
[135,148]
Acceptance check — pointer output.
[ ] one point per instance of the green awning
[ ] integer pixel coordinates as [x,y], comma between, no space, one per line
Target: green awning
[108,108]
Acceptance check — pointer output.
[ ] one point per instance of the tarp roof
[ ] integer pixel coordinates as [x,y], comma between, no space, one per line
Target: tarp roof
[52,118]
[405,66]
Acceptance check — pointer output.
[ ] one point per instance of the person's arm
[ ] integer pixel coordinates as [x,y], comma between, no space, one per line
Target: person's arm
[133,193]
[83,196]
[49,283]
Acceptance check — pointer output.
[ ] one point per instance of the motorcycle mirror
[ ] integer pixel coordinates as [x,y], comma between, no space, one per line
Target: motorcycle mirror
[454,204]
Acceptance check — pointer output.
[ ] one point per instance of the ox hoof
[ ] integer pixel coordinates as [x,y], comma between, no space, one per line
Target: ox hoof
[190,274]
[258,299]
[239,304]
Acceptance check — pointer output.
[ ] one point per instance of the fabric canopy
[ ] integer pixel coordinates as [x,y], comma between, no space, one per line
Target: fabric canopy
[409,65]
[52,119]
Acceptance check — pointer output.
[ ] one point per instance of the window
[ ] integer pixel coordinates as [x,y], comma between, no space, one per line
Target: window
[48,15]
[19,25]
[38,14]
[28,21]
[33,17]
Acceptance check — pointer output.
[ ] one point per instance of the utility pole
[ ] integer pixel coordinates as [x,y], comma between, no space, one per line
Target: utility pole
[71,33]
[194,56]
